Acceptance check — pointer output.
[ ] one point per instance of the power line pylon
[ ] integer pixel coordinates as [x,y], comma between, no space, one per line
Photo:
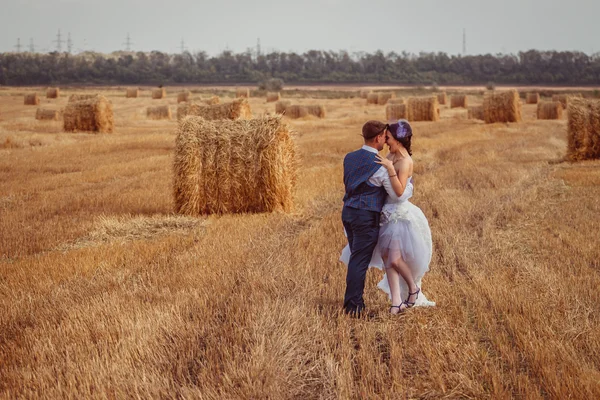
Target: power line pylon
[31,46]
[128,43]
[182,46]
[69,43]
[58,42]
[18,45]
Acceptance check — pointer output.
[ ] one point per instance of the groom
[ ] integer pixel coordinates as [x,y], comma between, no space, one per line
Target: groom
[363,201]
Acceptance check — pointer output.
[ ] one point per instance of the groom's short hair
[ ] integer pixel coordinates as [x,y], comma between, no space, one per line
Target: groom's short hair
[372,128]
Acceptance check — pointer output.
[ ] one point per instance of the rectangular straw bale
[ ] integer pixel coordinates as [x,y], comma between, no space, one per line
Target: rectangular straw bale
[564,99]
[31,99]
[396,111]
[532,98]
[317,110]
[502,107]
[132,93]
[159,93]
[241,166]
[52,93]
[159,112]
[382,98]
[372,98]
[364,93]
[273,97]
[95,115]
[237,109]
[239,92]
[183,97]
[79,97]
[423,109]
[399,100]
[48,114]
[212,101]
[475,112]
[281,106]
[583,137]
[458,100]
[549,110]
[442,98]
[296,111]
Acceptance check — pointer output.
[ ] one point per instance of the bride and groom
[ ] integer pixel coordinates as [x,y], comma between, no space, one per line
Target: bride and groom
[384,229]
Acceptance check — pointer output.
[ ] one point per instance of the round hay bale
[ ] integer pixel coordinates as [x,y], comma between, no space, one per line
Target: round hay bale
[423,109]
[31,99]
[159,112]
[502,107]
[396,112]
[52,93]
[212,101]
[475,112]
[79,97]
[237,109]
[296,111]
[281,106]
[239,92]
[372,98]
[94,115]
[317,110]
[442,98]
[273,97]
[241,166]
[458,100]
[549,110]
[183,97]
[159,93]
[132,93]
[47,114]
[583,137]
[564,99]
[400,100]
[382,98]
[532,98]
[364,93]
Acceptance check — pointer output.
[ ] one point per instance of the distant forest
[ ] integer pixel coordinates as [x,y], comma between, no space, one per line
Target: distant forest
[530,67]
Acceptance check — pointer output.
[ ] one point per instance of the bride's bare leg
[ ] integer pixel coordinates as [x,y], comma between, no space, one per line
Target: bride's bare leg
[404,271]
[394,282]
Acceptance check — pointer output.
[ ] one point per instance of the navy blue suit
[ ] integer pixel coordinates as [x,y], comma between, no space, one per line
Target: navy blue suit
[362,207]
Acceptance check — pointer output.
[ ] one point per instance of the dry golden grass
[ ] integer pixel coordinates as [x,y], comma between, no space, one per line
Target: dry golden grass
[104,293]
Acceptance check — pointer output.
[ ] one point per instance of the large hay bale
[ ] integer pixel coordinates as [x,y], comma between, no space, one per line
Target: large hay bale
[296,111]
[442,98]
[583,139]
[281,106]
[31,99]
[532,98]
[396,112]
[47,114]
[95,114]
[132,93]
[239,92]
[364,93]
[159,112]
[475,112]
[502,107]
[382,98]
[564,99]
[233,166]
[549,110]
[212,101]
[423,109]
[237,109]
[372,98]
[400,100]
[52,93]
[458,100]
[183,97]
[159,93]
[317,110]
[273,97]
[79,97]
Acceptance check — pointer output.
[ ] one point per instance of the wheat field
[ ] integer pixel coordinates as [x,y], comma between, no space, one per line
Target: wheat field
[106,293]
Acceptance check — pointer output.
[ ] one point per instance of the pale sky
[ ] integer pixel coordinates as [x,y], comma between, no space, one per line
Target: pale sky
[505,26]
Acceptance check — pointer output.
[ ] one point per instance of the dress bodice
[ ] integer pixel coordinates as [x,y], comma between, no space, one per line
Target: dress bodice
[408,192]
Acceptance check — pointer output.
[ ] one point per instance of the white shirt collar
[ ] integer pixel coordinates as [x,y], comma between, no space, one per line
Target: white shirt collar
[369,148]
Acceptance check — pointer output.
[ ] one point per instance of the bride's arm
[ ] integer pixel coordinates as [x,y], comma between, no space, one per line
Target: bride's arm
[398,182]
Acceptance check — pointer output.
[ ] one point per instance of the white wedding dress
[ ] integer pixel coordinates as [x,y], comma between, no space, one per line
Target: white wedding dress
[405,232]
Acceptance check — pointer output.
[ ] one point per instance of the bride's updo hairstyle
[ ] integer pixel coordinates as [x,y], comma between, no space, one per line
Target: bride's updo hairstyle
[402,132]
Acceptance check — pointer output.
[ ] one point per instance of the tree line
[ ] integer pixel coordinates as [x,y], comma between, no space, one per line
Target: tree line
[530,67]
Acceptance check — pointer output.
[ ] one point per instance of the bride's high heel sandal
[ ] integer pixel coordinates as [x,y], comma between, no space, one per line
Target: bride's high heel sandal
[398,307]
[411,304]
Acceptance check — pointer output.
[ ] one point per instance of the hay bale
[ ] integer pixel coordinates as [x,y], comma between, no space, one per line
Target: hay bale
[159,112]
[95,114]
[372,98]
[564,99]
[159,93]
[532,98]
[400,100]
[549,110]
[212,101]
[458,100]
[237,109]
[52,93]
[502,107]
[396,112]
[317,110]
[245,93]
[183,97]
[442,98]
[423,109]
[296,111]
[79,97]
[382,98]
[31,99]
[132,93]
[364,93]
[475,112]
[47,114]
[281,106]
[583,138]
[242,166]
[273,97]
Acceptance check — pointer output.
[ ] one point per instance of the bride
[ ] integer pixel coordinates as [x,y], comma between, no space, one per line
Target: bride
[404,247]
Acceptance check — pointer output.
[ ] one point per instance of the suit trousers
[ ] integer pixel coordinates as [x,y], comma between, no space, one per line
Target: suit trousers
[362,228]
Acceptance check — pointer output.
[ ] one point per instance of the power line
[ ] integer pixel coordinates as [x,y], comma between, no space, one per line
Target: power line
[58,42]
[18,45]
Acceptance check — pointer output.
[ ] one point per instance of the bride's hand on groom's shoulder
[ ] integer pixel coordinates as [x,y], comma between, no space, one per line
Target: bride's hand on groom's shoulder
[385,162]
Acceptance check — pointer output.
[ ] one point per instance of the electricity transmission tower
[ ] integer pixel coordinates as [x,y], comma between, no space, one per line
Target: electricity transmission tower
[257,47]
[69,43]
[31,46]
[182,46]
[18,45]
[128,43]
[58,42]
